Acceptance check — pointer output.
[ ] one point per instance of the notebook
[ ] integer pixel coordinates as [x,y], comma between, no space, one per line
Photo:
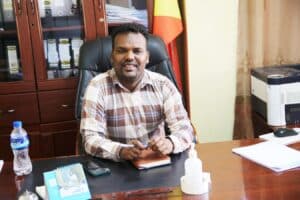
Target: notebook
[150,159]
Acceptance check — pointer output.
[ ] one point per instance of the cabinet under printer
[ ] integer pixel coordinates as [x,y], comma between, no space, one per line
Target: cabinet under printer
[275,94]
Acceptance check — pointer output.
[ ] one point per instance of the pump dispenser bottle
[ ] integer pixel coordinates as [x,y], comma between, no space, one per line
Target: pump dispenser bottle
[194,181]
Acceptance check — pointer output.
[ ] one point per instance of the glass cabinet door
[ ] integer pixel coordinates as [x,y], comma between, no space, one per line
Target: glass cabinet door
[57,31]
[63,34]
[62,27]
[16,65]
[10,67]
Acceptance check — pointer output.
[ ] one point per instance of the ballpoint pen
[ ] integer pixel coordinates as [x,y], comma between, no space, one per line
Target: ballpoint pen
[145,144]
[126,145]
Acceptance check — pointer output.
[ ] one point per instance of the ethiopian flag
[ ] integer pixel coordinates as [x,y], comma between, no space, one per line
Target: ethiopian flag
[167,20]
[168,25]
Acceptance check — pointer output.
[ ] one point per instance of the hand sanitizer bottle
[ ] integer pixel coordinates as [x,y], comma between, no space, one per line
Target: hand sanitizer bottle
[193,165]
[193,182]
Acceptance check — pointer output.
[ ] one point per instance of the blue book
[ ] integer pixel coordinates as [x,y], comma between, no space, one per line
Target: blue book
[67,183]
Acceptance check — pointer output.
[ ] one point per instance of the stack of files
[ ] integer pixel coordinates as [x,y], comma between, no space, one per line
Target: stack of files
[272,155]
[118,14]
[282,140]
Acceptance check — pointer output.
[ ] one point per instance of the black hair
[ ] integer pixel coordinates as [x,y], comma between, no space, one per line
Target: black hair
[129,28]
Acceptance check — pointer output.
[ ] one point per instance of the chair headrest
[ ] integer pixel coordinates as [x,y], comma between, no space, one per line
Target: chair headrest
[157,50]
[95,54]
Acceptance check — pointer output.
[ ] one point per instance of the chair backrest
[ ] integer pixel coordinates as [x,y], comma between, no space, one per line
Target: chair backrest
[94,58]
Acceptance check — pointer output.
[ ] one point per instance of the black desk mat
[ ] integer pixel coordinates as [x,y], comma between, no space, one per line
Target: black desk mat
[123,177]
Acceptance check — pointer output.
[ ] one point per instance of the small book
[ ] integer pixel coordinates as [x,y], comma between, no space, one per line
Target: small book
[67,183]
[150,159]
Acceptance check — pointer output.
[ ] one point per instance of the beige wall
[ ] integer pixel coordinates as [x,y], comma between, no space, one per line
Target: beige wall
[212,43]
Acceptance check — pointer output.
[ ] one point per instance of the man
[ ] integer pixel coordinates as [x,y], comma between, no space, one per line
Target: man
[125,109]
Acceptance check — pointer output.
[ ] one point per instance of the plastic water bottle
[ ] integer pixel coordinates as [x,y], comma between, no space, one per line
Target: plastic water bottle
[19,143]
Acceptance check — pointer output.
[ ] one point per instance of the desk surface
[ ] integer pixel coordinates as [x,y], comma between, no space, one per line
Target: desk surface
[232,178]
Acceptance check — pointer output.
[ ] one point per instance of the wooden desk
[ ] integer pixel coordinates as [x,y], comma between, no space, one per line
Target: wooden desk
[232,178]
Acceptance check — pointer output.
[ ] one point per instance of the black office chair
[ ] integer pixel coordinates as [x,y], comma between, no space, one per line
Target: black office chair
[94,58]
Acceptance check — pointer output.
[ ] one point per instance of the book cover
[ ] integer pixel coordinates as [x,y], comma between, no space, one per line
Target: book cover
[150,159]
[67,183]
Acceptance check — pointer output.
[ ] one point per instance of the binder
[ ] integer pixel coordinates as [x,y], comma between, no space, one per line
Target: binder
[11,47]
[150,159]
[64,53]
[53,58]
[1,18]
[8,14]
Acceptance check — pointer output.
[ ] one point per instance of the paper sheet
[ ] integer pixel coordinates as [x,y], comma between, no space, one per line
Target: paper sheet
[272,155]
[282,140]
[41,190]
[1,164]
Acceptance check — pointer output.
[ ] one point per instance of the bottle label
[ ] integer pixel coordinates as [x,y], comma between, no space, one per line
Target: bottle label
[19,143]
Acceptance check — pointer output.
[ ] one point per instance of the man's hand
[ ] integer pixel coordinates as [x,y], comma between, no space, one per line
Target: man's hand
[161,144]
[131,153]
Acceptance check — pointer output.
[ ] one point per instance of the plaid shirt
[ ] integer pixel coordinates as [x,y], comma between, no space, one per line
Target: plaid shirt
[112,115]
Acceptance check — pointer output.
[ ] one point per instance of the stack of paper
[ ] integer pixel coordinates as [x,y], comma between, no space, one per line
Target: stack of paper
[272,155]
[118,14]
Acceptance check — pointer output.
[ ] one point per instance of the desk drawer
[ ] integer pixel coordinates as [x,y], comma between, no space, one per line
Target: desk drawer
[57,105]
[22,107]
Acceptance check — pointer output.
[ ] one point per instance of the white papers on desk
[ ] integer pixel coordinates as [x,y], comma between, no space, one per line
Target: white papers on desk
[282,140]
[272,155]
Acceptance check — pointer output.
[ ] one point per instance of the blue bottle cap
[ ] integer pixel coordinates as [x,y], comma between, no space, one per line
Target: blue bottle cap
[17,124]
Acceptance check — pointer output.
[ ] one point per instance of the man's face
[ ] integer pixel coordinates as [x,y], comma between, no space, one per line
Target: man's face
[129,57]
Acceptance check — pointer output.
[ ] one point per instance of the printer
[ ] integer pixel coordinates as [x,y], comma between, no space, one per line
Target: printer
[275,93]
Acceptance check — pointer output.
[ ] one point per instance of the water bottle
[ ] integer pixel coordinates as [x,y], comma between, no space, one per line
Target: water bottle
[19,143]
